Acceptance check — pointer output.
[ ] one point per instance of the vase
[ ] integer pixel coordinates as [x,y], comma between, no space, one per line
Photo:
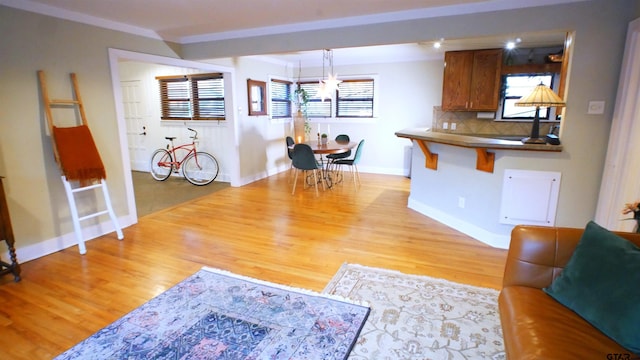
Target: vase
[299,134]
[324,140]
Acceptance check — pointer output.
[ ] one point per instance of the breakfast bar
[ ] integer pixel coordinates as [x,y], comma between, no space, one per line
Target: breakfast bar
[485,159]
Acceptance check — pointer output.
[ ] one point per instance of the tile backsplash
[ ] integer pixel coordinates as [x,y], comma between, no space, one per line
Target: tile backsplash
[467,123]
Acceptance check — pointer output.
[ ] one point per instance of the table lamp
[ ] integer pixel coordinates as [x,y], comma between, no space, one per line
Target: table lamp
[540,96]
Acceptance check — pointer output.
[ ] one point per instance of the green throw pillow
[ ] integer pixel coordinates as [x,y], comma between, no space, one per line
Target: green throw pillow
[601,283]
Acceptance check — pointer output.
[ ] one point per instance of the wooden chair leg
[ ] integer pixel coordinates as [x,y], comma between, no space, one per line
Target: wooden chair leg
[324,186]
[295,181]
[315,182]
[290,172]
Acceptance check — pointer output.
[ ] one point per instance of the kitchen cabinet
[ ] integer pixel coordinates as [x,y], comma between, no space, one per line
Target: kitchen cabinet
[471,80]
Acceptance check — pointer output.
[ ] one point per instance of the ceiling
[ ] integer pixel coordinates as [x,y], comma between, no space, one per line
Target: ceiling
[189,21]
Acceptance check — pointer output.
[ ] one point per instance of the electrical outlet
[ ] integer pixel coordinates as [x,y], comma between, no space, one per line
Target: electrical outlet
[445,125]
[461,202]
[453,126]
[595,107]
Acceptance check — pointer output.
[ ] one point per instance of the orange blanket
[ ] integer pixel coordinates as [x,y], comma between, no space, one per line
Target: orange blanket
[79,157]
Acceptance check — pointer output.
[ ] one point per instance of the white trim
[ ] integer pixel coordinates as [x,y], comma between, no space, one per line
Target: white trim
[621,173]
[425,13]
[60,13]
[415,14]
[50,246]
[478,233]
[115,55]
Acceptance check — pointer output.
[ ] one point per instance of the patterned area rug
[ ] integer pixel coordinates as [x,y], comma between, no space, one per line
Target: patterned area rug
[419,317]
[218,315]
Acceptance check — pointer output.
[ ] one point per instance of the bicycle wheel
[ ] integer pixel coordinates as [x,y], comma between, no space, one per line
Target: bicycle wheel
[161,164]
[200,168]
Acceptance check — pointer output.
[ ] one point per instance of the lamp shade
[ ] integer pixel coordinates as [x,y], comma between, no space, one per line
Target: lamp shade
[541,95]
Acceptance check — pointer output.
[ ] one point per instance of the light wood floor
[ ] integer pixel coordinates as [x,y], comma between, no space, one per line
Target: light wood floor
[259,230]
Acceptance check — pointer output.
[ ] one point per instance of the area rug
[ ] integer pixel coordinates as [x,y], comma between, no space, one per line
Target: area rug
[214,314]
[419,317]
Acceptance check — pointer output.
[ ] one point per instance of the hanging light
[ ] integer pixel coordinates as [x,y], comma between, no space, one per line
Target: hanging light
[327,86]
[323,90]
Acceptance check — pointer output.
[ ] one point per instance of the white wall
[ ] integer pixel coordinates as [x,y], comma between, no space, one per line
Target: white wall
[35,195]
[406,93]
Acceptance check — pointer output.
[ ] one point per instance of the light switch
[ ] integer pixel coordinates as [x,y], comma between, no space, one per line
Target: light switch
[595,107]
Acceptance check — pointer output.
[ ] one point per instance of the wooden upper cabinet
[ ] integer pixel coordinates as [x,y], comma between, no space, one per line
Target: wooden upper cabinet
[457,80]
[471,80]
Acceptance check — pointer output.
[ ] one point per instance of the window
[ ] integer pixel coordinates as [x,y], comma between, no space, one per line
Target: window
[316,107]
[192,97]
[355,98]
[257,96]
[517,86]
[280,99]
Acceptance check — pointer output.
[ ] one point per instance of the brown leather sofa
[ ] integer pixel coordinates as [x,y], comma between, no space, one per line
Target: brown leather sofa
[535,326]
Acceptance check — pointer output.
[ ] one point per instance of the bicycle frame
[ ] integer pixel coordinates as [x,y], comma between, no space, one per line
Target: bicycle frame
[199,168]
[173,150]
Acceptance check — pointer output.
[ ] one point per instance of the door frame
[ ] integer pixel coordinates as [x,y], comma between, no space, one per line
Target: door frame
[117,55]
[621,175]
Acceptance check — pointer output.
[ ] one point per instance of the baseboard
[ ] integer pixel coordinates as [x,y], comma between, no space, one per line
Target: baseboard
[478,233]
[50,246]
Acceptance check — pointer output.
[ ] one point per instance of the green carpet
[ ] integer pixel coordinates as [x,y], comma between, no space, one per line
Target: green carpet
[152,195]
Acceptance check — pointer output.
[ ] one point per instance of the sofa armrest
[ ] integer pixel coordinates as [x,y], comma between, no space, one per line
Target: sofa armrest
[537,254]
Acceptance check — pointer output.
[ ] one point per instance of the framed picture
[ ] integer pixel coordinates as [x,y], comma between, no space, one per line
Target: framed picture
[257,94]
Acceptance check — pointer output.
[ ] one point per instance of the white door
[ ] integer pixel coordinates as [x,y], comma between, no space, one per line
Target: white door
[136,125]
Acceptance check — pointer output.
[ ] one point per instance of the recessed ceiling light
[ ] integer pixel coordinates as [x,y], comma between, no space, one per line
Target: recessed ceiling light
[510,45]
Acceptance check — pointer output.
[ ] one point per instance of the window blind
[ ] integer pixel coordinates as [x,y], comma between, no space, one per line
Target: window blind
[316,107]
[192,97]
[280,98]
[355,98]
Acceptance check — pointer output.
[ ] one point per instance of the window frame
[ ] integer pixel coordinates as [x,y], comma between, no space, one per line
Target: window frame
[288,112]
[190,97]
[334,95]
[543,116]
[316,107]
[257,98]
[371,99]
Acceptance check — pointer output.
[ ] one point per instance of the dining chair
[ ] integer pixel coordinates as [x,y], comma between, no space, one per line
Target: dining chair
[304,159]
[289,141]
[340,138]
[353,164]
[333,157]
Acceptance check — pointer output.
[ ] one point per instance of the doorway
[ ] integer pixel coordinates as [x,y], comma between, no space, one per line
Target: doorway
[227,155]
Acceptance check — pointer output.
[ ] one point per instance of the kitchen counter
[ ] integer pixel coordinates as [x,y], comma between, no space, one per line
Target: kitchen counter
[485,159]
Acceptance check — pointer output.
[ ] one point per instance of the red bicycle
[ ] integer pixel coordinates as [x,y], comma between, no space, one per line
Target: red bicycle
[198,167]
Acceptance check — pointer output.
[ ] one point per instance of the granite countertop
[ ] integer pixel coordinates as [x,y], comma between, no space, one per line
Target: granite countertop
[471,141]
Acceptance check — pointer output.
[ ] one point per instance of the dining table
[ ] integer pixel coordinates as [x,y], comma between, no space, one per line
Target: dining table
[330,147]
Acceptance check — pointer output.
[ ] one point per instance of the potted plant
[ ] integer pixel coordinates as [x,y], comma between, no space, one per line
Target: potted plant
[300,98]
[324,139]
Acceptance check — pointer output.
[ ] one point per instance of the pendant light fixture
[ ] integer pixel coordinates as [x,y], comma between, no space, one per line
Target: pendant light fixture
[329,85]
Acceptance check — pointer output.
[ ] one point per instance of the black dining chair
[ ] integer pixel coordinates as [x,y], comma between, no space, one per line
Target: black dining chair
[304,159]
[353,164]
[289,141]
[344,155]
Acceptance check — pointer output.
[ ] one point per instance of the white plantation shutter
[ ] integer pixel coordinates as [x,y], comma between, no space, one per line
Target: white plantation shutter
[192,97]
[280,99]
[355,98]
[316,107]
